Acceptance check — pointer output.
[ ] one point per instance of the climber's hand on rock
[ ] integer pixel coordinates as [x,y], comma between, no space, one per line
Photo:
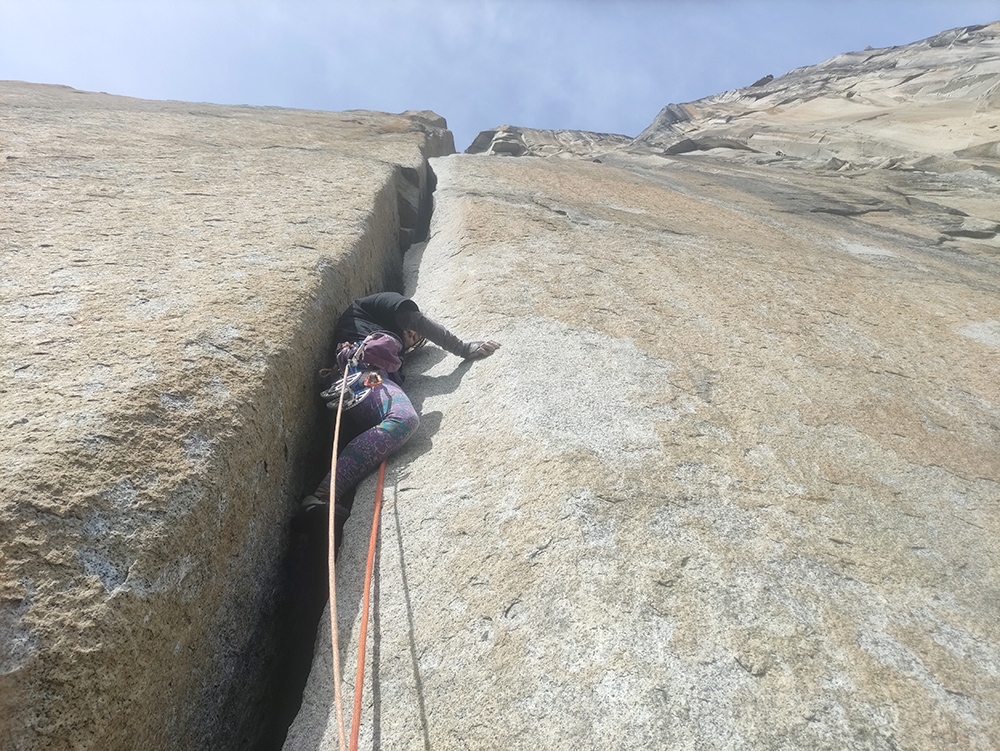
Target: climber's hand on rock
[479,350]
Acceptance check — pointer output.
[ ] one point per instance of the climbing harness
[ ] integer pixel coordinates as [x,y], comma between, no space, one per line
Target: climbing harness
[378,350]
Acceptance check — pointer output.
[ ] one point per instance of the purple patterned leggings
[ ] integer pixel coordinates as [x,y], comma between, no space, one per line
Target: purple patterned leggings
[390,419]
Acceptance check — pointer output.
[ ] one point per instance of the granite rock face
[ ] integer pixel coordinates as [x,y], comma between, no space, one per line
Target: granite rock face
[171,274]
[508,140]
[733,480]
[932,104]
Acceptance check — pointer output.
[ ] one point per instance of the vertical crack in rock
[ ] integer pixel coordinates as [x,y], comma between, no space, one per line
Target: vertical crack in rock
[303,588]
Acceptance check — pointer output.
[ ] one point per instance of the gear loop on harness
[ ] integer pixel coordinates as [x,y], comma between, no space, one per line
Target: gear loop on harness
[362,362]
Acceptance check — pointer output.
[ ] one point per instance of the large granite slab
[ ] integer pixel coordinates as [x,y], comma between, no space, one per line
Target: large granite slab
[170,274]
[733,480]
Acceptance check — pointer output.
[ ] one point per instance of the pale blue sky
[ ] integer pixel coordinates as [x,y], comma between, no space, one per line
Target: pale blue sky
[587,64]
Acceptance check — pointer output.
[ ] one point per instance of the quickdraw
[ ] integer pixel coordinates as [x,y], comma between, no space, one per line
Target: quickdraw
[358,381]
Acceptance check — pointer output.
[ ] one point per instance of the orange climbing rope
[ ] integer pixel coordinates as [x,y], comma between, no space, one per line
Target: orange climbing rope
[363,636]
[331,554]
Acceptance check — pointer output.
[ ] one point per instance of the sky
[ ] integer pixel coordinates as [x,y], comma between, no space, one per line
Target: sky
[600,65]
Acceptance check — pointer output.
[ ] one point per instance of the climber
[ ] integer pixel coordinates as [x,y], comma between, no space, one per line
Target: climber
[373,334]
